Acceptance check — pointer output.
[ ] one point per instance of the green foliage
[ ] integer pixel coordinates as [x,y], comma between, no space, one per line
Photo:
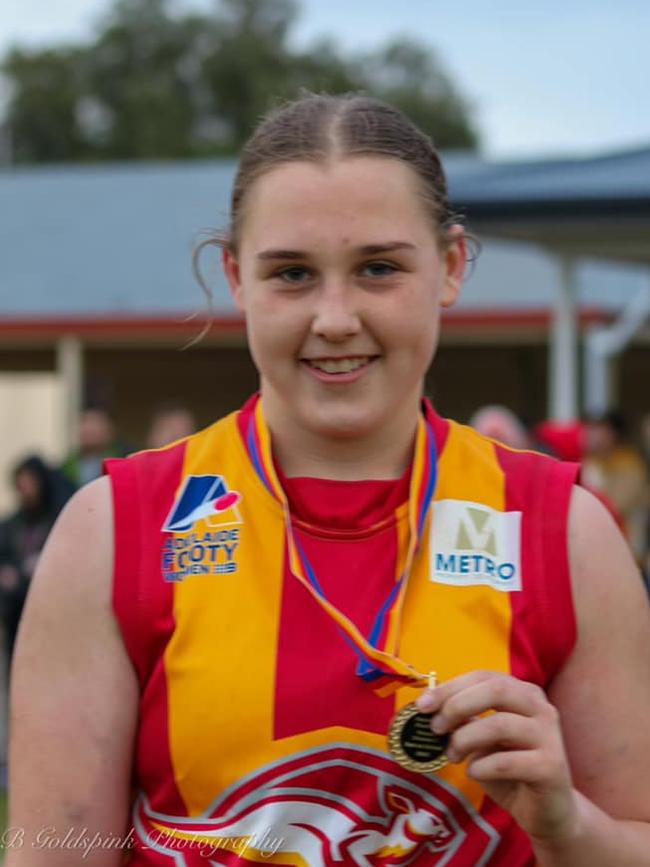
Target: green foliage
[407,74]
[43,112]
[154,83]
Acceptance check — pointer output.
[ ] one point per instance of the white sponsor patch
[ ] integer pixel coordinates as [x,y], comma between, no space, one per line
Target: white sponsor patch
[474,544]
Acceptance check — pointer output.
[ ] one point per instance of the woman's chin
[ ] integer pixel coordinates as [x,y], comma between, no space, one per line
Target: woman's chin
[341,423]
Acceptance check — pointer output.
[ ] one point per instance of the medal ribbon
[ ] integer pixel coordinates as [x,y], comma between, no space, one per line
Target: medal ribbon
[384,671]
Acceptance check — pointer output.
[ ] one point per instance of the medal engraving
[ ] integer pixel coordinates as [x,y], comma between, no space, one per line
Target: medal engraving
[412,743]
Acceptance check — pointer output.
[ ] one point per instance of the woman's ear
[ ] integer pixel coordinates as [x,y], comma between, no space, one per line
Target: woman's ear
[233,276]
[454,257]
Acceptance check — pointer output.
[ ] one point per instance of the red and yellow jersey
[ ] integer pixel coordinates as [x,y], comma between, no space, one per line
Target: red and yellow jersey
[257,740]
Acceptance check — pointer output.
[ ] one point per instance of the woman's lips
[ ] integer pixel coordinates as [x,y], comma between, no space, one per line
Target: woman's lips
[341,376]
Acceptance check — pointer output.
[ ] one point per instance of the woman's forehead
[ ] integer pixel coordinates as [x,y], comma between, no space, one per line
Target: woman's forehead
[357,172]
[357,197]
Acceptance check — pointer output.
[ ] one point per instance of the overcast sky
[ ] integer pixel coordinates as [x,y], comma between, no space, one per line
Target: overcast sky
[552,77]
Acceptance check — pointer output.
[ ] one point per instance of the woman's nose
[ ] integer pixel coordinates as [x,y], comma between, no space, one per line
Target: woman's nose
[336,316]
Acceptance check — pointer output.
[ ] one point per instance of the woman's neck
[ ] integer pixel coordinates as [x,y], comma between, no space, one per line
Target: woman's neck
[383,453]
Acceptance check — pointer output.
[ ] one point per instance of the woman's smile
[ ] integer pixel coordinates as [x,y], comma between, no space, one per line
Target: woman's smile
[339,370]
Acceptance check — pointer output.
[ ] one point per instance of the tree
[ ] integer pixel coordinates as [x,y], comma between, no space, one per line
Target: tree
[42,120]
[154,83]
[140,77]
[248,62]
[408,75]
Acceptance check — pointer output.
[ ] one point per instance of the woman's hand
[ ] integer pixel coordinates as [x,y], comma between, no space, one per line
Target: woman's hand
[510,735]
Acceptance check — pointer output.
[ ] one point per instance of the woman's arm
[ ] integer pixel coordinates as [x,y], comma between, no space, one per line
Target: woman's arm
[572,768]
[74,700]
[603,696]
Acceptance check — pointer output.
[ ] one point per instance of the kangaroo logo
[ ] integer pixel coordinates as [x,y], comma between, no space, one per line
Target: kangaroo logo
[295,812]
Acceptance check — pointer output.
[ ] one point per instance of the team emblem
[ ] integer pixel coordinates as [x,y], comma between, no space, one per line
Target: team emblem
[329,807]
[203,528]
[203,498]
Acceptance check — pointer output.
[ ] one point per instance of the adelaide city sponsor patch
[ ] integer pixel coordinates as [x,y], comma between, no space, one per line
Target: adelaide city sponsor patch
[204,527]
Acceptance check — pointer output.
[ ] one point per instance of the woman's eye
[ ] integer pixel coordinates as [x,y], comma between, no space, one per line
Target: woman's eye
[294,274]
[378,269]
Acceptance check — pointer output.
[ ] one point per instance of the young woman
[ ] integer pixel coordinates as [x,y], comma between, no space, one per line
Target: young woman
[226,636]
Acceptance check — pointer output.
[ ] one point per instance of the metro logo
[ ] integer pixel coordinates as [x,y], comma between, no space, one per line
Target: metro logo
[474,544]
[477,532]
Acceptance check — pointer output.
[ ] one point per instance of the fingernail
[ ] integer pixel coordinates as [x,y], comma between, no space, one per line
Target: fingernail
[427,702]
[439,724]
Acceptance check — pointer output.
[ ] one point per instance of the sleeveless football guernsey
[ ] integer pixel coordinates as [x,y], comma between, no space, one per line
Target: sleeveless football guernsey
[258,742]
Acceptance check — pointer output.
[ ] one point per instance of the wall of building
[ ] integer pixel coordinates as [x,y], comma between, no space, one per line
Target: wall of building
[133,382]
[463,378]
[212,381]
[31,422]
[633,381]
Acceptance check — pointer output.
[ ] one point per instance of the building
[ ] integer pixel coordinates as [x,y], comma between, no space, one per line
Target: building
[98,301]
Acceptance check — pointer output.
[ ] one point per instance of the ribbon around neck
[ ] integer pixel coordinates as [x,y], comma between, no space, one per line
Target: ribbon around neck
[382,669]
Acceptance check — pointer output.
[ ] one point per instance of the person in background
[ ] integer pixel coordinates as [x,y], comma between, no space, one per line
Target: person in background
[97,441]
[170,422]
[615,467]
[503,425]
[41,493]
[500,423]
[563,439]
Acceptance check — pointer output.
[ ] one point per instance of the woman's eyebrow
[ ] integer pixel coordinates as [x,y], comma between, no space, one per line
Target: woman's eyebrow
[372,249]
[366,250]
[281,254]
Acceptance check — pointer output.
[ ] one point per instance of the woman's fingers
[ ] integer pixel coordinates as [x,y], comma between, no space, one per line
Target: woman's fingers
[508,731]
[520,766]
[462,698]
[509,734]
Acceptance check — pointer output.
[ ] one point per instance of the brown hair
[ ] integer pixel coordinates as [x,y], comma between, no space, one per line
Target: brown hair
[323,127]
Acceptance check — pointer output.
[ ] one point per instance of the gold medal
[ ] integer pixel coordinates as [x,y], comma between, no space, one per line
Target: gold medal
[413,744]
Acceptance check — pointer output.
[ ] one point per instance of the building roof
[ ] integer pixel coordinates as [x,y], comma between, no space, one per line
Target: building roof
[599,179]
[596,207]
[116,240]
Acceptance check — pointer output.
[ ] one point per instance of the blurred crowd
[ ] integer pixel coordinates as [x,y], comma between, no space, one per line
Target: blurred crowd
[41,490]
[615,467]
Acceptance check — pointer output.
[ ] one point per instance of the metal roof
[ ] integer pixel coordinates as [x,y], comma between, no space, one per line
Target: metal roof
[117,239]
[107,238]
[597,207]
[613,177]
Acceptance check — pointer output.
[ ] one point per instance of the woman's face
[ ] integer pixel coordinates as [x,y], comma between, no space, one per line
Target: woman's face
[341,278]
